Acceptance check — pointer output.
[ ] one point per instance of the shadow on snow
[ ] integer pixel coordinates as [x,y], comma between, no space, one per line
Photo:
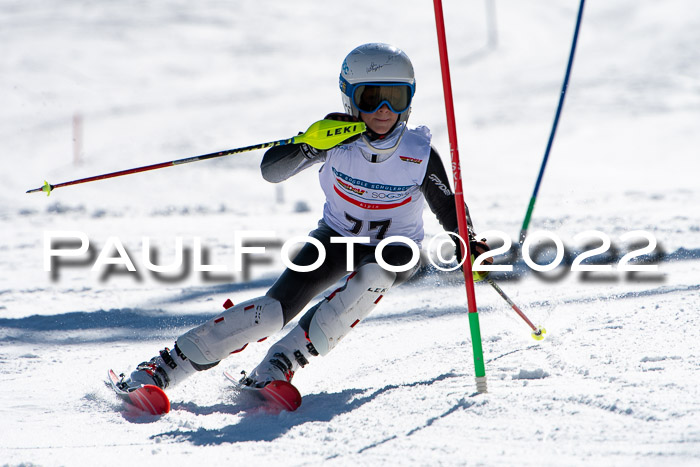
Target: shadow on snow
[128,324]
[82,327]
[256,425]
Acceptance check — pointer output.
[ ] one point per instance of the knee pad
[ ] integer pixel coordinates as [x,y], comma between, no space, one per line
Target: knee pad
[345,307]
[246,322]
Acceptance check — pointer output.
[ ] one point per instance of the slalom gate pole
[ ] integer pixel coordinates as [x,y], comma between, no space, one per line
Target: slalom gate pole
[537,332]
[479,369]
[323,134]
[533,198]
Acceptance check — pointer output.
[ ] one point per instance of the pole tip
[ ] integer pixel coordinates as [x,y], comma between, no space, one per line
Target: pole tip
[481,386]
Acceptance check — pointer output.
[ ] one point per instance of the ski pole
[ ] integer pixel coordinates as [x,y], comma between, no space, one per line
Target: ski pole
[533,198]
[323,134]
[537,332]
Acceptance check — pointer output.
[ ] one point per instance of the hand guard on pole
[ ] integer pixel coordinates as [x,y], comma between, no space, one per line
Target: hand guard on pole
[347,118]
[312,153]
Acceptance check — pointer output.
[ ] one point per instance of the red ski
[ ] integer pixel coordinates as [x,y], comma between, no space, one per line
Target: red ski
[148,398]
[280,394]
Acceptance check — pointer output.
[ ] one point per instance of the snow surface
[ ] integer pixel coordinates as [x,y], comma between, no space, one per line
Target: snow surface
[615,382]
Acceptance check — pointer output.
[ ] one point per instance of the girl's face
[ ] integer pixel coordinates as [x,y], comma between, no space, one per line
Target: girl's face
[380,121]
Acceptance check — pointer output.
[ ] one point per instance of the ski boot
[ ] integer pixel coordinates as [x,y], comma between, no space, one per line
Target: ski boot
[168,369]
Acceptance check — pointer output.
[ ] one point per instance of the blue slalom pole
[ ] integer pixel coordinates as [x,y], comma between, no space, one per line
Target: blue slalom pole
[533,198]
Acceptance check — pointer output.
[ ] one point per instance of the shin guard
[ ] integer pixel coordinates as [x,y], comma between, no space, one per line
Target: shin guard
[345,307]
[232,330]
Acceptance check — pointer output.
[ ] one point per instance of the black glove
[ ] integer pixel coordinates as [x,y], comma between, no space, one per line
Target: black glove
[309,152]
[476,248]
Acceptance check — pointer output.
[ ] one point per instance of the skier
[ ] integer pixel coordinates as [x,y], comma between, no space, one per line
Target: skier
[375,186]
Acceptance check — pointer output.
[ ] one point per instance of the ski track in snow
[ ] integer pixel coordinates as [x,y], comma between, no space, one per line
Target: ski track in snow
[614,382]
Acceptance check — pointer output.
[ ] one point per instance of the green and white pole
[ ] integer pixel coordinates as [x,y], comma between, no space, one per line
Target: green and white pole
[479,368]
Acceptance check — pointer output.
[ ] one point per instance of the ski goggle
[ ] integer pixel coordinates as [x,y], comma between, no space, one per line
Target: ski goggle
[370,97]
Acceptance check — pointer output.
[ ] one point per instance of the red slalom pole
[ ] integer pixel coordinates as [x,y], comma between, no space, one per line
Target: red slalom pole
[479,368]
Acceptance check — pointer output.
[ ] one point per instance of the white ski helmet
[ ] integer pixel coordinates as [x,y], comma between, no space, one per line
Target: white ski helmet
[385,73]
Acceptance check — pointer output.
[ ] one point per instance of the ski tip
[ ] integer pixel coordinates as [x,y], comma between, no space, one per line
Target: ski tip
[231,377]
[112,377]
